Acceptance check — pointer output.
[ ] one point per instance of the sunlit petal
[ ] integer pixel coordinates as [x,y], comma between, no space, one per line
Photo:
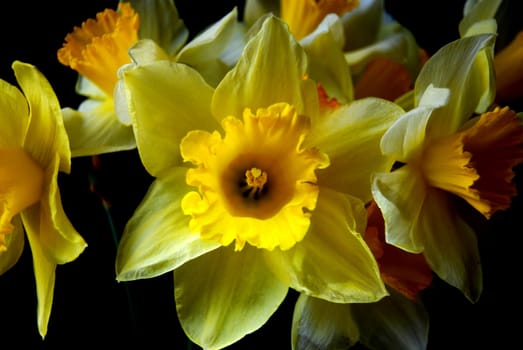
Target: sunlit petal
[234,295]
[157,238]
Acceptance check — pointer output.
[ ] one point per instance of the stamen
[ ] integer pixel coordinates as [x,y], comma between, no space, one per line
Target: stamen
[255,180]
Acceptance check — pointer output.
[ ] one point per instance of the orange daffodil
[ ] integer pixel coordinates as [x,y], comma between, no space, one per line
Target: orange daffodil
[443,155]
[33,148]
[97,50]
[256,191]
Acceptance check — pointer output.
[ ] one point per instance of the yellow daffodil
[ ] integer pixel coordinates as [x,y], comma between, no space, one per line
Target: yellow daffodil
[96,50]
[444,155]
[33,148]
[257,188]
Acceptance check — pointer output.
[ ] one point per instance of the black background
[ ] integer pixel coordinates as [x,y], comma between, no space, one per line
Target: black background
[91,309]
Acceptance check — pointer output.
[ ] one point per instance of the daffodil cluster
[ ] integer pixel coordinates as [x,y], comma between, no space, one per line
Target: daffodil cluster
[304,145]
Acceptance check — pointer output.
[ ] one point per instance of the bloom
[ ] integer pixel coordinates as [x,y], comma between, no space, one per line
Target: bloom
[255,163]
[443,155]
[33,148]
[97,50]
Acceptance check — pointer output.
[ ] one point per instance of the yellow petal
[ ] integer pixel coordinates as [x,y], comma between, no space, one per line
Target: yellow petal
[270,70]
[14,117]
[214,51]
[44,269]
[46,135]
[96,130]
[161,22]
[234,294]
[166,100]
[465,67]
[157,238]
[332,262]
[451,246]
[354,158]
[400,196]
[57,235]
[509,74]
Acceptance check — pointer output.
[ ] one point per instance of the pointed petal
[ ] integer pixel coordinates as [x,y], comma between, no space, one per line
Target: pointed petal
[166,100]
[234,294]
[94,129]
[157,238]
[46,135]
[15,246]
[351,137]
[451,246]
[270,70]
[44,268]
[160,21]
[15,116]
[214,51]
[321,47]
[394,322]
[400,196]
[56,233]
[404,140]
[332,262]
[464,66]
[322,325]
[254,9]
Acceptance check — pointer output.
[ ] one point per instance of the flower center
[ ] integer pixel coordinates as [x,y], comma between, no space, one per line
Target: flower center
[99,47]
[255,179]
[257,184]
[303,16]
[21,184]
[477,163]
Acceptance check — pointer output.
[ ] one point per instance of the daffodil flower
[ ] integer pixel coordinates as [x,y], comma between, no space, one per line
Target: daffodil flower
[96,50]
[33,148]
[445,155]
[255,189]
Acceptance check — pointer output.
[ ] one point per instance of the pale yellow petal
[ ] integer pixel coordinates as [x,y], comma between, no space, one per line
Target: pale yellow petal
[157,238]
[270,70]
[46,135]
[332,262]
[451,246]
[14,116]
[233,295]
[44,269]
[96,130]
[166,100]
[351,137]
[400,196]
[57,236]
